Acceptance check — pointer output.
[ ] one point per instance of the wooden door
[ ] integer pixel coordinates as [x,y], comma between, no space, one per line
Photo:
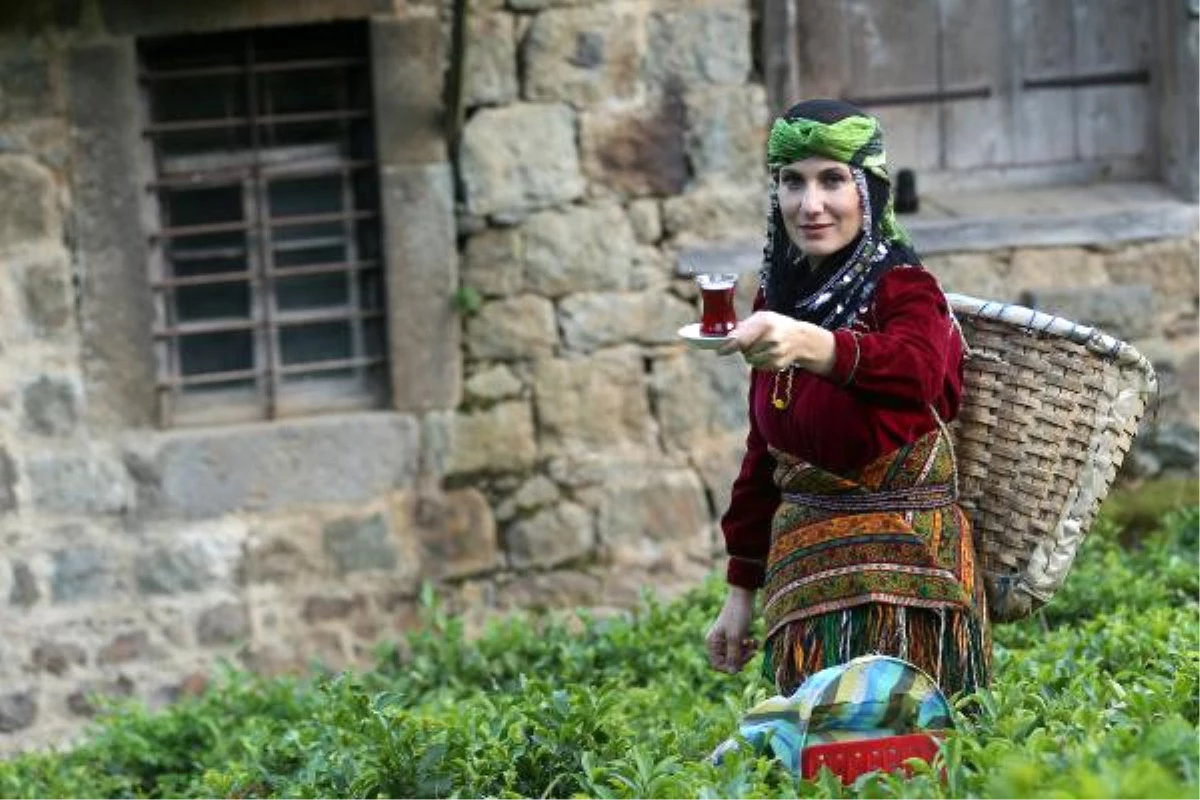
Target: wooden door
[992,86]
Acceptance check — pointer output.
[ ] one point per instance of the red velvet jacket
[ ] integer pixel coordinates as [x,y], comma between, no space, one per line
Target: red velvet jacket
[899,358]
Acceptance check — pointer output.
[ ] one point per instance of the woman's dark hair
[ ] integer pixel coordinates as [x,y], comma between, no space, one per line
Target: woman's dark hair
[823,110]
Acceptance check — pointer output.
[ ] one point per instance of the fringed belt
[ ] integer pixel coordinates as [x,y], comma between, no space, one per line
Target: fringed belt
[915,498]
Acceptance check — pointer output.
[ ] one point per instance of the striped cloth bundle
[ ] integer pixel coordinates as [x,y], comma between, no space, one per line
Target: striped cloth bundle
[868,697]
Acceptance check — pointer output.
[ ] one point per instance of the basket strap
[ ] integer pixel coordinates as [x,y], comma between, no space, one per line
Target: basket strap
[968,351]
[949,443]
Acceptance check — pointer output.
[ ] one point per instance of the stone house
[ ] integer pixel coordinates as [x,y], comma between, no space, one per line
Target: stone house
[303,305]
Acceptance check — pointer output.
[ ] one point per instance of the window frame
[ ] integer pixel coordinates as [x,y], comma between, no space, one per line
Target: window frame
[271,395]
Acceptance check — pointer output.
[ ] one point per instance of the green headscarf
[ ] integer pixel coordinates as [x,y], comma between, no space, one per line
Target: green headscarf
[855,140]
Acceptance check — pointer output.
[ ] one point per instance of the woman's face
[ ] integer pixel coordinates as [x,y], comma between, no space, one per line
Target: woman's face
[820,205]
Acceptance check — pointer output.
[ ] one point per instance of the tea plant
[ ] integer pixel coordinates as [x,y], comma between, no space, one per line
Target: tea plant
[1096,696]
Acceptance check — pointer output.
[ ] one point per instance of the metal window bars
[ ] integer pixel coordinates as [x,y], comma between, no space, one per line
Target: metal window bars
[265,263]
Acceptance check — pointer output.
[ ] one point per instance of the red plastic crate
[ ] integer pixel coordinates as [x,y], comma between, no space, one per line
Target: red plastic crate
[850,759]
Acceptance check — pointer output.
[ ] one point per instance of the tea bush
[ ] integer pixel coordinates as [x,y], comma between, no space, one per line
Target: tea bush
[1096,696]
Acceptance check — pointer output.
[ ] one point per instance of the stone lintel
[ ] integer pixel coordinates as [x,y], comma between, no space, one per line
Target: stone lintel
[153,18]
[422,265]
[116,312]
[407,71]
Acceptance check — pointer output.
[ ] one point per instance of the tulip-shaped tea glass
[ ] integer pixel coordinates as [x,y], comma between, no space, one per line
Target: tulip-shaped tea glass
[716,297]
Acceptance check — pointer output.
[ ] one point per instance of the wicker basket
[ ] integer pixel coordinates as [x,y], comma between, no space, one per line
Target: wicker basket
[1049,410]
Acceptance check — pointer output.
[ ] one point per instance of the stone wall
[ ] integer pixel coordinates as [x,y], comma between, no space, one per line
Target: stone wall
[556,448]
[548,444]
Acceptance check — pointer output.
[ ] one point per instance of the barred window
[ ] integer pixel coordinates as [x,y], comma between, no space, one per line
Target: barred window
[265,233]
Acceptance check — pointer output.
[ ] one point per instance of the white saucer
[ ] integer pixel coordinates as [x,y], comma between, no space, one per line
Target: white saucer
[691,333]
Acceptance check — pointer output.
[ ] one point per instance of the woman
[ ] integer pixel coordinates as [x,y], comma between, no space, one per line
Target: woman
[844,510]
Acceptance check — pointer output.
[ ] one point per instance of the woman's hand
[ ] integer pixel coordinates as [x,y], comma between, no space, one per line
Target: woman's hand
[728,641]
[770,342]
